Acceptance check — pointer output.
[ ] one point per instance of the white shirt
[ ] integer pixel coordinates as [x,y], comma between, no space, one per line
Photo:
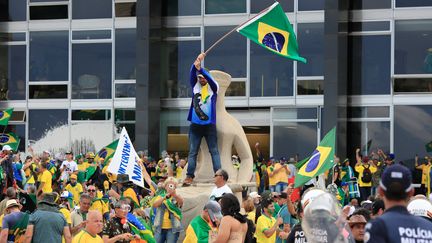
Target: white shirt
[68,166]
[218,192]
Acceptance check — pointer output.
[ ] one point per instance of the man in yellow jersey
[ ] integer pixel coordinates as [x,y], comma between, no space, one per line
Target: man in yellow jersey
[45,179]
[75,188]
[98,203]
[267,227]
[93,227]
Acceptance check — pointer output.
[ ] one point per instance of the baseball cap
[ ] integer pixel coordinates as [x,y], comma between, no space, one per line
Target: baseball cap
[11,203]
[69,152]
[396,174]
[214,210]
[6,148]
[254,195]
[420,207]
[66,194]
[73,176]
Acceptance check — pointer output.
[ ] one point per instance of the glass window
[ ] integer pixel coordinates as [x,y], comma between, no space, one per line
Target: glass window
[125,91]
[94,115]
[258,6]
[18,116]
[310,87]
[48,128]
[412,131]
[42,1]
[370,4]
[181,7]
[270,74]
[369,65]
[125,53]
[229,56]
[124,115]
[91,71]
[48,92]
[49,12]
[4,37]
[292,138]
[125,9]
[90,135]
[94,9]
[369,111]
[413,3]
[225,6]
[310,5]
[368,136]
[13,10]
[130,128]
[183,32]
[49,56]
[413,85]
[236,89]
[19,130]
[298,113]
[413,58]
[311,46]
[12,72]
[369,26]
[91,34]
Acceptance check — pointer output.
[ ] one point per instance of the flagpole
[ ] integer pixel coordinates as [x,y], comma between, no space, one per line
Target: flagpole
[231,31]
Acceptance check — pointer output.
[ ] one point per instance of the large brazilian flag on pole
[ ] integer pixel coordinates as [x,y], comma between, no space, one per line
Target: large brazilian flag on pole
[321,160]
[272,30]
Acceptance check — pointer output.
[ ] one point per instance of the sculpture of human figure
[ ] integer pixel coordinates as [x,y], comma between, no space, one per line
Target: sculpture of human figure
[202,115]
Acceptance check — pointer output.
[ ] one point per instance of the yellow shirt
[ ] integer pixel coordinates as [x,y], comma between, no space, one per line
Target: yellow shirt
[76,191]
[425,173]
[264,223]
[272,179]
[100,206]
[84,237]
[179,171]
[131,194]
[166,223]
[66,214]
[83,166]
[46,178]
[281,175]
[360,168]
[29,174]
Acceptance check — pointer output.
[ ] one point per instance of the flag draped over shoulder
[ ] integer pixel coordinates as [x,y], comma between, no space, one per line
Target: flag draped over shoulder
[272,30]
[198,231]
[320,161]
[10,139]
[5,116]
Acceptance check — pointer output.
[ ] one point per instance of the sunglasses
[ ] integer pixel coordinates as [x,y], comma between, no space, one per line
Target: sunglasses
[91,190]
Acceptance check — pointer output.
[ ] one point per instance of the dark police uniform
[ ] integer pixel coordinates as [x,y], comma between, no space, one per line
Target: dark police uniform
[398,225]
[296,235]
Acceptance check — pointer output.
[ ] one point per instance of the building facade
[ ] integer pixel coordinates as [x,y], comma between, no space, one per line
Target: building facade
[76,71]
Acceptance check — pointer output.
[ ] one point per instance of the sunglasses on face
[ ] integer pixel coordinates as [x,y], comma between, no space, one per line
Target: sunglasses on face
[91,190]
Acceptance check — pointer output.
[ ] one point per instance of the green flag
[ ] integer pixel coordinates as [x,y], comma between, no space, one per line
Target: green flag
[320,161]
[429,147]
[107,152]
[299,164]
[272,30]
[10,139]
[5,116]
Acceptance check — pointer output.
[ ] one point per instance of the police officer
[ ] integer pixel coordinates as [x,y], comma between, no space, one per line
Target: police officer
[397,224]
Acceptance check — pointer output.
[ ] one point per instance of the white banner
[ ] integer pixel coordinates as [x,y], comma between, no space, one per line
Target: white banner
[125,160]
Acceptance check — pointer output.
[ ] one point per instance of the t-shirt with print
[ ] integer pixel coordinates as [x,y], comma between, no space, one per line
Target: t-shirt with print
[68,167]
[264,223]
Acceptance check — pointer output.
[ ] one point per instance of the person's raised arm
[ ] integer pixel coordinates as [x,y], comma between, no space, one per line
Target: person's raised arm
[196,66]
[358,158]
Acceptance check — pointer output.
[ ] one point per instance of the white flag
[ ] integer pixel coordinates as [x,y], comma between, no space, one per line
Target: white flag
[125,160]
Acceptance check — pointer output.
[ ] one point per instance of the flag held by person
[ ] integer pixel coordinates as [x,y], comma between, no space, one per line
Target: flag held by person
[272,30]
[107,152]
[321,160]
[10,139]
[5,116]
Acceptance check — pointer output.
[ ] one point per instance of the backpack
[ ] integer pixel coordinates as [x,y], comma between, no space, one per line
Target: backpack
[367,175]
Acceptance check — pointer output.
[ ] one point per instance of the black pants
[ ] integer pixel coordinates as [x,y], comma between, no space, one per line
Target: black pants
[364,193]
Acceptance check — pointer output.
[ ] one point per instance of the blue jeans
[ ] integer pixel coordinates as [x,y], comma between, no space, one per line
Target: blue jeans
[280,186]
[196,133]
[166,235]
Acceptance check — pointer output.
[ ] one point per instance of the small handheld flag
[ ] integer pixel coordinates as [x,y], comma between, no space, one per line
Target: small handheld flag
[10,139]
[5,116]
[321,160]
[272,30]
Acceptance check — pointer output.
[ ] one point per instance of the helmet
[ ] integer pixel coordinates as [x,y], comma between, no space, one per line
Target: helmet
[309,195]
[420,207]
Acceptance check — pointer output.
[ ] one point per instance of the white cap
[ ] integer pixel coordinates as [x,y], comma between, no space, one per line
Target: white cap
[254,195]
[6,148]
[420,207]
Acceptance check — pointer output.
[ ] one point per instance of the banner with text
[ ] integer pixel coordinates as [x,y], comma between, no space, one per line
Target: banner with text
[125,160]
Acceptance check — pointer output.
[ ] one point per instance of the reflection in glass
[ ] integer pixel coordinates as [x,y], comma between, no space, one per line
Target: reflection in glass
[225,6]
[124,115]
[91,34]
[94,115]
[270,74]
[368,111]
[181,7]
[311,37]
[258,6]
[369,26]
[370,65]
[413,3]
[236,89]
[43,122]
[13,10]
[125,9]
[49,56]
[310,5]
[48,92]
[412,131]
[293,138]
[182,32]
[12,72]
[413,85]
[125,53]
[19,130]
[368,136]
[409,58]
[181,56]
[296,113]
[18,36]
[91,71]
[125,91]
[230,55]
[94,9]
[310,87]
[48,12]
[370,4]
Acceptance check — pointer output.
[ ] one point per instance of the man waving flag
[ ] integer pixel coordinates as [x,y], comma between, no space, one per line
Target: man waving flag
[320,161]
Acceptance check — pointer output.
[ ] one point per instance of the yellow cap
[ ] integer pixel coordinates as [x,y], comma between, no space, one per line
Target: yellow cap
[73,176]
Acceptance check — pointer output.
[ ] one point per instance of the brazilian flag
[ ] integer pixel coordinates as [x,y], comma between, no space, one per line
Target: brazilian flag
[272,30]
[321,160]
[107,152]
[5,116]
[429,147]
[10,139]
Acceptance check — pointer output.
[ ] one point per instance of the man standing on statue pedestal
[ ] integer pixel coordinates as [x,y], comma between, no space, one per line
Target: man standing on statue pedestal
[202,115]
